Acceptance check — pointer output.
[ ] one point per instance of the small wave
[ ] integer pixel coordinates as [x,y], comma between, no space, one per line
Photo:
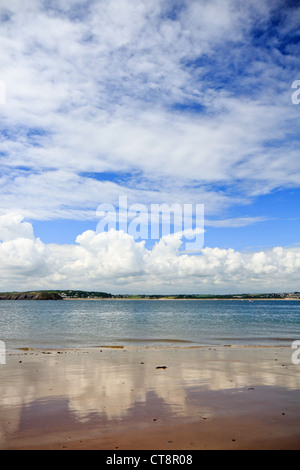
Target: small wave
[154,340]
[257,338]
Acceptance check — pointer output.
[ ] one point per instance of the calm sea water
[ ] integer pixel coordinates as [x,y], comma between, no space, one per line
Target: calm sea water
[84,323]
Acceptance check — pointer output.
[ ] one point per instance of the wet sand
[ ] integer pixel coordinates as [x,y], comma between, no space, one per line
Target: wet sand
[150,399]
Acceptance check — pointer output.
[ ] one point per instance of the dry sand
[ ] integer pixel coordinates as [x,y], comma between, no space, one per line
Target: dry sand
[154,399]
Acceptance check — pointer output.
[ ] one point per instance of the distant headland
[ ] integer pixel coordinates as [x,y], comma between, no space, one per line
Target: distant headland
[93,295]
[43,295]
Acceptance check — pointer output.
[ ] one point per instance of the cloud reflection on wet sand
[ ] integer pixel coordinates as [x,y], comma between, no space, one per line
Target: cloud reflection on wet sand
[52,392]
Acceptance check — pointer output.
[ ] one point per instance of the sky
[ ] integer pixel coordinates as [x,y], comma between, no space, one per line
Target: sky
[161,102]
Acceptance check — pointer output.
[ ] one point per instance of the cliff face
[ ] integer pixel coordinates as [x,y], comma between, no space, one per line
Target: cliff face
[30,296]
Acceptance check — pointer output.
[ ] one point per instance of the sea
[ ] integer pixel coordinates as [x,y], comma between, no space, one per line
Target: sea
[147,323]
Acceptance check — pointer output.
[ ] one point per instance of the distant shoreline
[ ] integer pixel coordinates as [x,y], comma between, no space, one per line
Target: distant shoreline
[92,295]
[167,298]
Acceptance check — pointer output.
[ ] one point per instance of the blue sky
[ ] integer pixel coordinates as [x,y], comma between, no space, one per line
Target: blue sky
[279,224]
[169,102]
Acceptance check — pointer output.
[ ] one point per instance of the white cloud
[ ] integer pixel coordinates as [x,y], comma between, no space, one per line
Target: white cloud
[13,227]
[65,194]
[23,258]
[234,222]
[104,85]
[114,262]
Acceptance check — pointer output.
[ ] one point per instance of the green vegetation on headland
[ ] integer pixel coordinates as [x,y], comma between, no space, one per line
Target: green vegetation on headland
[79,294]
[44,295]
[281,296]
[53,295]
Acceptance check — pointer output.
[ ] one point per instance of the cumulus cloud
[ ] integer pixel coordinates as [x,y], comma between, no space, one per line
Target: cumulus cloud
[114,261]
[13,227]
[24,259]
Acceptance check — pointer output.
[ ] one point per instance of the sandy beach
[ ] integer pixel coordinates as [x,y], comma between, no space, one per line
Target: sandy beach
[150,399]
